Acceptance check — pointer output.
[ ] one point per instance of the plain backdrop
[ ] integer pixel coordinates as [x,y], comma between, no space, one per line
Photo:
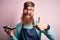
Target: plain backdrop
[48,10]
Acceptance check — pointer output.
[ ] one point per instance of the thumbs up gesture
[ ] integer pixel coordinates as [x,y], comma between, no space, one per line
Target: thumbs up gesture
[40,25]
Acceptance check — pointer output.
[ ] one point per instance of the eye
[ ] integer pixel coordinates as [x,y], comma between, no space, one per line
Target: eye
[30,9]
[25,9]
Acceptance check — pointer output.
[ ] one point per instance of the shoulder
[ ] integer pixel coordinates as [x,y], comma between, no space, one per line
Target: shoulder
[19,25]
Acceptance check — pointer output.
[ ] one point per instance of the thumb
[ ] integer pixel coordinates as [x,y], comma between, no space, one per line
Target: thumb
[38,19]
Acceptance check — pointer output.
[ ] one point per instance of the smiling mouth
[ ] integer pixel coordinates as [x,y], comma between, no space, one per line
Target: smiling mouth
[27,14]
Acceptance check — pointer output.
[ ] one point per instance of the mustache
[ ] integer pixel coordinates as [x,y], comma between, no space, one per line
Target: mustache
[26,14]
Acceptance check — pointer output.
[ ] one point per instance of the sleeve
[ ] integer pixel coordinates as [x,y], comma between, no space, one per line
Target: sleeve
[49,33]
[13,38]
[17,36]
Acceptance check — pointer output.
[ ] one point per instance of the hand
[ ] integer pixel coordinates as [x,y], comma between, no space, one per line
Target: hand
[41,26]
[9,32]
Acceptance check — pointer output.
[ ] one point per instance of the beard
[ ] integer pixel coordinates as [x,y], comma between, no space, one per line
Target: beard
[27,18]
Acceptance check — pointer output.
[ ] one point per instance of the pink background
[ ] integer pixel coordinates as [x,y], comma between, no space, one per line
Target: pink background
[48,10]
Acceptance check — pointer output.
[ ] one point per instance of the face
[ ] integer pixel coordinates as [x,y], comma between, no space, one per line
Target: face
[28,15]
[28,12]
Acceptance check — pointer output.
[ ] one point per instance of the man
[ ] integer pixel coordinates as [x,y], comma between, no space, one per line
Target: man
[30,28]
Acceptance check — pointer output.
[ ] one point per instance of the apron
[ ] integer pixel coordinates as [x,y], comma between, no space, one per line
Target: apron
[28,34]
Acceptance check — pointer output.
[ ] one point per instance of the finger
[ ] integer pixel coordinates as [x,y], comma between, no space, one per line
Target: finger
[5,30]
[38,19]
[12,31]
[8,32]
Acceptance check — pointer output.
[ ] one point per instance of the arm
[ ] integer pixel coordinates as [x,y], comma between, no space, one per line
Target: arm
[49,33]
[42,26]
[17,36]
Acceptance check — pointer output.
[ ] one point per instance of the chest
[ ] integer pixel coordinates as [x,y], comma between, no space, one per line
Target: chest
[28,34]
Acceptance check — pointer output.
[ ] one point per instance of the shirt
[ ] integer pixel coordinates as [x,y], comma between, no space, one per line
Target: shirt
[49,33]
